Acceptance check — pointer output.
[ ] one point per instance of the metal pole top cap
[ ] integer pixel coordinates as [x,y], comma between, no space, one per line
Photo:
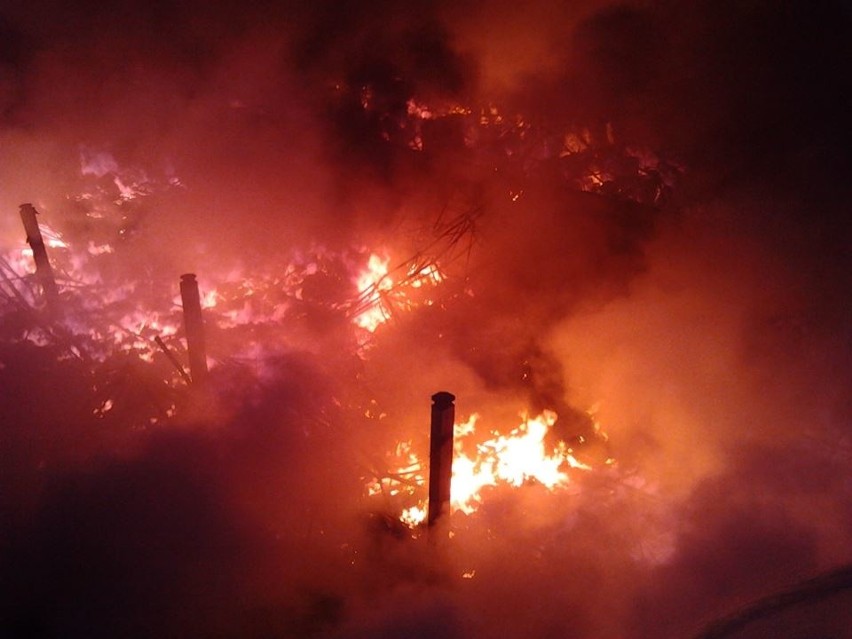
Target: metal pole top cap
[443,398]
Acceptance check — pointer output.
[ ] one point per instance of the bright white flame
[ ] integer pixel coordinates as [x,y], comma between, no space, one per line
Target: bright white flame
[513,459]
[413,516]
[371,284]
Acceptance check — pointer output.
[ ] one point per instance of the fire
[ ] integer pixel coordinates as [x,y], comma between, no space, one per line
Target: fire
[381,293]
[413,516]
[371,283]
[515,458]
[591,160]
[512,459]
[105,318]
[107,314]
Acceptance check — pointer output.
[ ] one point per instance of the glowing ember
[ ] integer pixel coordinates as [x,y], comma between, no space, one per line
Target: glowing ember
[413,516]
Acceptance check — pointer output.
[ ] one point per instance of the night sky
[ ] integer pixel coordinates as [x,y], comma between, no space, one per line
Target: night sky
[640,208]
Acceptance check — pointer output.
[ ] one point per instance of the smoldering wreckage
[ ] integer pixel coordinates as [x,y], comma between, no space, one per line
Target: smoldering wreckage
[215,409]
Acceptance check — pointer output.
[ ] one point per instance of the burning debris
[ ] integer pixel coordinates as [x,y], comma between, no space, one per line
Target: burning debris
[617,232]
[379,296]
[465,464]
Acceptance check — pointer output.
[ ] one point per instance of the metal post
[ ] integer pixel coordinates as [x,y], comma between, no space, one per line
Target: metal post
[44,272]
[193,324]
[441,455]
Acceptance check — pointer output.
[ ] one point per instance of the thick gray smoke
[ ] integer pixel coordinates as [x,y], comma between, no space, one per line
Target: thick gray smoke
[700,307]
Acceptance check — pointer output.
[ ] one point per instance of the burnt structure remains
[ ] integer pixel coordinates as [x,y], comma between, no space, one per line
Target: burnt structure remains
[441,455]
[44,272]
[194,326]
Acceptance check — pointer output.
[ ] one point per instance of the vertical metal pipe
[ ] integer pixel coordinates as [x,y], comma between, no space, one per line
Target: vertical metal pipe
[193,324]
[441,455]
[44,272]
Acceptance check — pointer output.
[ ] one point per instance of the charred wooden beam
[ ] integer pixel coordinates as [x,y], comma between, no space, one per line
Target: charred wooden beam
[173,360]
[44,272]
[193,324]
[441,455]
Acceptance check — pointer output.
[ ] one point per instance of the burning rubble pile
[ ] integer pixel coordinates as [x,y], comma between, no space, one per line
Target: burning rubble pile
[241,246]
[127,337]
[73,310]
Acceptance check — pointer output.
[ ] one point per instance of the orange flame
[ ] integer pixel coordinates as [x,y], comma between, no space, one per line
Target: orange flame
[380,293]
[512,459]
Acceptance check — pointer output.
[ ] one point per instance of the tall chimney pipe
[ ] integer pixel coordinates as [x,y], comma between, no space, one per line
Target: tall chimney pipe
[44,272]
[441,455]
[193,324]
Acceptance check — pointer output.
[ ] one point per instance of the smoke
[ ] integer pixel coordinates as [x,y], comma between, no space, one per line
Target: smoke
[693,293]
